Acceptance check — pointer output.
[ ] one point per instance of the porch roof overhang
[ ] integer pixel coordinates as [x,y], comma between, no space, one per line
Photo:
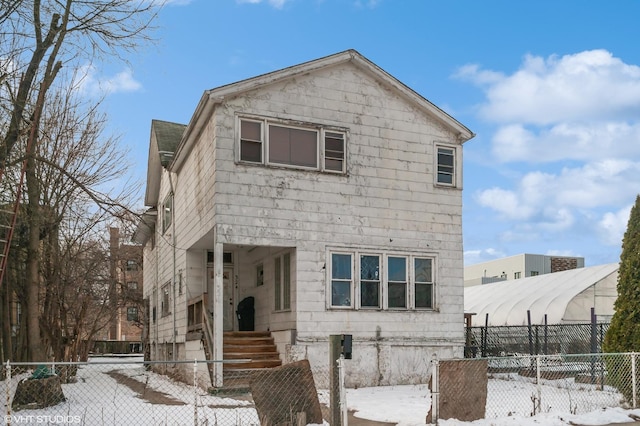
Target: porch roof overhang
[146,226]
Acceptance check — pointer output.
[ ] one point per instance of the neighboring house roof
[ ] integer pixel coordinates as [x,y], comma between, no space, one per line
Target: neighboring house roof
[507,302]
[210,98]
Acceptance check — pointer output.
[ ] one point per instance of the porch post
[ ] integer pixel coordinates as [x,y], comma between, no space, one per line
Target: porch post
[218,306]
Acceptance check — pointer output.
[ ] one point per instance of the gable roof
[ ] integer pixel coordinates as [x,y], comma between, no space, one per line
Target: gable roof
[507,302]
[165,138]
[216,96]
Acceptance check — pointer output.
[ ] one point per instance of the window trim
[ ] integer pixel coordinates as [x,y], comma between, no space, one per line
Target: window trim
[131,265]
[355,280]
[323,132]
[129,314]
[455,173]
[379,281]
[405,282]
[431,283]
[349,281]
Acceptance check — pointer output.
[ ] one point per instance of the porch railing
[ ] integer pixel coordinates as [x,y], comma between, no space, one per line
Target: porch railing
[196,309]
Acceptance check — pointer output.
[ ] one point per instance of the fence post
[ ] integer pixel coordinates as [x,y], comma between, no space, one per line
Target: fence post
[633,378]
[435,389]
[343,391]
[8,390]
[334,379]
[195,392]
[538,404]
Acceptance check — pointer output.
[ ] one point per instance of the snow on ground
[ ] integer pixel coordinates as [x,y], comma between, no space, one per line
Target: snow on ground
[97,398]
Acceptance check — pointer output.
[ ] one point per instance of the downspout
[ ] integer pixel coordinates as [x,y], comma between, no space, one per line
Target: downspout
[155,303]
[173,284]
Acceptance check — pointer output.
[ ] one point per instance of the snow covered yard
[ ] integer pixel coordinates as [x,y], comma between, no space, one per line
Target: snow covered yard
[123,392]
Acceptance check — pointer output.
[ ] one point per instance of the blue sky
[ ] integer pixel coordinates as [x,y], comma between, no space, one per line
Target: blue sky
[550,88]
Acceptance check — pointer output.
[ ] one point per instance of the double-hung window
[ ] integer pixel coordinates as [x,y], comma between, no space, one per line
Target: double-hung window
[397,281]
[387,281]
[303,146]
[423,282]
[251,141]
[341,279]
[446,166]
[334,147]
[132,313]
[370,292]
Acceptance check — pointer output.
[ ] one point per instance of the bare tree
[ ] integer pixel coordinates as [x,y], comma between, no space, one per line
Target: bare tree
[42,38]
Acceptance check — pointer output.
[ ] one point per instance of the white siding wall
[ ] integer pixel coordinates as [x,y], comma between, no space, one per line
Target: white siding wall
[386,202]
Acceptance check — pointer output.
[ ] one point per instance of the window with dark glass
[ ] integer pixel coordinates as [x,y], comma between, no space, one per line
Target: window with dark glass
[132,313]
[251,141]
[132,265]
[341,276]
[446,165]
[370,281]
[423,282]
[334,151]
[397,281]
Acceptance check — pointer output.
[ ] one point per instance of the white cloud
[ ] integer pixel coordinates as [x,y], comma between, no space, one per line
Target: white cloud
[568,144]
[89,82]
[572,88]
[550,199]
[613,225]
[567,141]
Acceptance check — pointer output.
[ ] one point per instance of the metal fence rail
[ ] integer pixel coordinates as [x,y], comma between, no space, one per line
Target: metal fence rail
[124,392]
[535,339]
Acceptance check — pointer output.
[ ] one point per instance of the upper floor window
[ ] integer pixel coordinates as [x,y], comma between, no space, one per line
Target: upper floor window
[132,265]
[167,212]
[132,313]
[446,165]
[310,147]
[132,285]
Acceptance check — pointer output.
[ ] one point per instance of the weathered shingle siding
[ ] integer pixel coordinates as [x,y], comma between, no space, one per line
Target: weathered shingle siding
[387,201]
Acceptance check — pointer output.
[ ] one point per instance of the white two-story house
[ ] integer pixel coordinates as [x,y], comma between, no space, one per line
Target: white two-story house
[330,193]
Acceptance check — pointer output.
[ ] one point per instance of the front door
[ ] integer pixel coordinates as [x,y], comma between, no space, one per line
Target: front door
[228,298]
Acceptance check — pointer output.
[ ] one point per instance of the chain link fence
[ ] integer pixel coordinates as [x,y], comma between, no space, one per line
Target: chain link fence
[526,385]
[535,339]
[131,391]
[127,391]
